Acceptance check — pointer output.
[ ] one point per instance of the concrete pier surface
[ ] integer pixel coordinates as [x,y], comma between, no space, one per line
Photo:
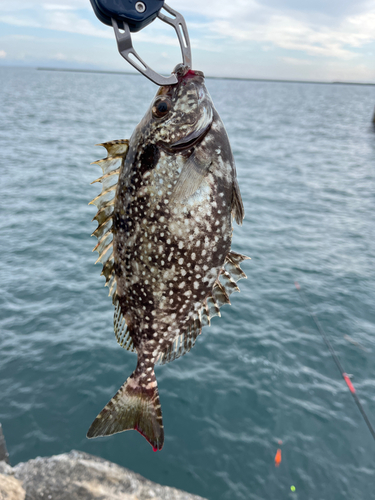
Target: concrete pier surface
[4,455]
[80,476]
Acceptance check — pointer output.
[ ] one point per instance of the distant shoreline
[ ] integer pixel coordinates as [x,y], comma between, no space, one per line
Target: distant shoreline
[207,77]
[270,80]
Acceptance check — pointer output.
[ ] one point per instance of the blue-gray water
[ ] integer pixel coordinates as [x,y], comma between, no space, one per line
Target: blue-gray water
[305,157]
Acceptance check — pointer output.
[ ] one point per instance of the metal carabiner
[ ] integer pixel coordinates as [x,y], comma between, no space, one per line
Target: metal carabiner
[126,49]
[132,16]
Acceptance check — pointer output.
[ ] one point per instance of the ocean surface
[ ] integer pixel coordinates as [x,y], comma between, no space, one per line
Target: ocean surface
[305,156]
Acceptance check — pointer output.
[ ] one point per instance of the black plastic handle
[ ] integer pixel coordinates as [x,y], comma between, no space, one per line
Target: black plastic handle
[136,14]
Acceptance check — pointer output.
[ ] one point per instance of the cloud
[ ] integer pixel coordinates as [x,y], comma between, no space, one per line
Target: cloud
[297,62]
[52,6]
[3,54]
[22,5]
[313,27]
[20,21]
[286,33]
[248,35]
[68,21]
[296,31]
[57,20]
[73,23]
[318,10]
[60,57]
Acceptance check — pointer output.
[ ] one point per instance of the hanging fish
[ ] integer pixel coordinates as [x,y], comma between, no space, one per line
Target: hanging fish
[165,229]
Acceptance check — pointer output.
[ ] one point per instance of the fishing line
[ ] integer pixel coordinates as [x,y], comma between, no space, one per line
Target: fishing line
[336,359]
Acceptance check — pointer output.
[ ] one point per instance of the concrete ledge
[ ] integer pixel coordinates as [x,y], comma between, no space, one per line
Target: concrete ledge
[80,476]
[11,488]
[4,455]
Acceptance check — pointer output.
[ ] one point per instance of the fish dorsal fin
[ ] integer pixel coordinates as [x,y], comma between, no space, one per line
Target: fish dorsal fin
[224,286]
[122,331]
[111,166]
[238,210]
[192,174]
[116,148]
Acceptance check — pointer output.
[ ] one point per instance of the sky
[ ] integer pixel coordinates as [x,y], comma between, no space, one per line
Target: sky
[315,40]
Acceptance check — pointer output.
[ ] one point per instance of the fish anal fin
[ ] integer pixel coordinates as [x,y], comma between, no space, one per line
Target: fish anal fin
[237,258]
[136,405]
[220,295]
[238,210]
[228,282]
[224,286]
[213,308]
[234,270]
[205,315]
[183,343]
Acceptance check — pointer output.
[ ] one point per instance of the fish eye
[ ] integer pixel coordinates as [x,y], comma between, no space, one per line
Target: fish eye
[161,107]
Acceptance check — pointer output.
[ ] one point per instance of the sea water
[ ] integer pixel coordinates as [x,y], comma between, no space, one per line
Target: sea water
[305,156]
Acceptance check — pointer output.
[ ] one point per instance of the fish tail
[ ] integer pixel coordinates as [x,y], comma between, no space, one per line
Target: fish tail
[136,405]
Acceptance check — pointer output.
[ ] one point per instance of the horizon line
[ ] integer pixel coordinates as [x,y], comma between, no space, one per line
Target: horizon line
[274,80]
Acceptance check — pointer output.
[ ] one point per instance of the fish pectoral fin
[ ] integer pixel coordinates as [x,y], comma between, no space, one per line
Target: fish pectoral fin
[136,405]
[191,177]
[238,210]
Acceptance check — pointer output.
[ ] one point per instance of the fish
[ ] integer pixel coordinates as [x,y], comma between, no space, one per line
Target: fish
[169,195]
